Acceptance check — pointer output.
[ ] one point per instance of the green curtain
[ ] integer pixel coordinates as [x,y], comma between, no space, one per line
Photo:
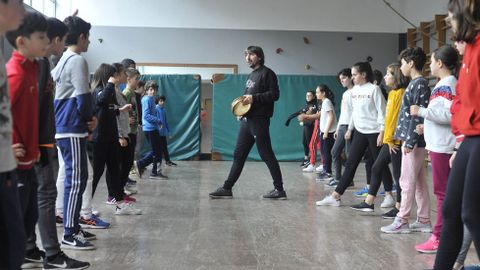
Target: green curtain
[182,94]
[286,141]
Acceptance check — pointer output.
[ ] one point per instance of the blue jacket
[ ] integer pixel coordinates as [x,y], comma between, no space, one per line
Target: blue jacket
[73,102]
[150,120]
[164,130]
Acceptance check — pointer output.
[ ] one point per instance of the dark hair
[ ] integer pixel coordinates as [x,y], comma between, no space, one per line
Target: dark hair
[119,67]
[415,54]
[466,13]
[400,81]
[377,76]
[76,27]
[56,28]
[364,67]
[141,84]
[129,63]
[151,83]
[258,51]
[345,72]
[449,57]
[328,93]
[161,97]
[32,22]
[131,72]
[101,75]
[314,100]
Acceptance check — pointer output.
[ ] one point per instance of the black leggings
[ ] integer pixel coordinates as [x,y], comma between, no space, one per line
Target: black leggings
[326,146]
[254,130]
[307,136]
[106,153]
[359,144]
[381,163]
[461,204]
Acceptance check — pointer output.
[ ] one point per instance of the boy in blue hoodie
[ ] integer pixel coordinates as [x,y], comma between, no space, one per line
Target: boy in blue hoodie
[74,119]
[164,129]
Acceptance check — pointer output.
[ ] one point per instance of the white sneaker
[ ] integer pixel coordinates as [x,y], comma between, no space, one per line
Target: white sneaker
[388,201]
[396,227]
[319,168]
[417,226]
[309,168]
[130,191]
[328,201]
[127,209]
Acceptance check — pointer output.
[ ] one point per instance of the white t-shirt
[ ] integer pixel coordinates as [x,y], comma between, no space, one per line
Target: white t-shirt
[326,107]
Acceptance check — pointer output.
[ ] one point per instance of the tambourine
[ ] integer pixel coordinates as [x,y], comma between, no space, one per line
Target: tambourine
[238,108]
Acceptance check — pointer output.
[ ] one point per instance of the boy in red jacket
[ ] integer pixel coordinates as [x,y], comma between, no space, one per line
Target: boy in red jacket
[30,41]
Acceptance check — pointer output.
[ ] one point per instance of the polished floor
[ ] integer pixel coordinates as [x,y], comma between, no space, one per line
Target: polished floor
[182,228]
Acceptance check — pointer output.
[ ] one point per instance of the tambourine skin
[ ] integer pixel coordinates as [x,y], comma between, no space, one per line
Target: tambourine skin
[238,109]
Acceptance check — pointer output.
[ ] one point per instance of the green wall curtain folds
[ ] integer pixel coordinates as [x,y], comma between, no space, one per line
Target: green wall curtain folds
[183,113]
[286,141]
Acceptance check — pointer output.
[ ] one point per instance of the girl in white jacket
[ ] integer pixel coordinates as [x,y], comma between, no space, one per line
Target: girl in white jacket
[438,136]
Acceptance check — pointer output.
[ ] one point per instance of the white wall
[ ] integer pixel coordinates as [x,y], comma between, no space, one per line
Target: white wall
[424,10]
[304,15]
[327,52]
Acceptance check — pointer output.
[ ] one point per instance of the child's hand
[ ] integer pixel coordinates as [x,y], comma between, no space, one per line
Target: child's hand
[419,129]
[348,135]
[18,150]
[92,124]
[123,142]
[126,107]
[414,110]
[113,80]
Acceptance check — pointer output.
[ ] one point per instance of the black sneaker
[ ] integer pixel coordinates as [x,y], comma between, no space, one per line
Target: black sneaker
[62,261]
[363,206]
[333,183]
[221,193]
[158,175]
[391,214]
[323,176]
[276,195]
[170,163]
[33,258]
[88,236]
[305,163]
[76,241]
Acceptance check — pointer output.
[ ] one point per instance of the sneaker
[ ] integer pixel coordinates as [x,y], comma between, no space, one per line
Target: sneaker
[309,168]
[96,212]
[131,182]
[125,208]
[221,193]
[158,175]
[170,163]
[362,192]
[62,261]
[59,221]
[93,222]
[328,201]
[76,241]
[430,246]
[323,176]
[127,198]
[305,163]
[33,258]
[319,168]
[276,195]
[396,227]
[418,226]
[388,201]
[88,236]
[129,190]
[333,183]
[139,171]
[363,206]
[390,214]
[111,200]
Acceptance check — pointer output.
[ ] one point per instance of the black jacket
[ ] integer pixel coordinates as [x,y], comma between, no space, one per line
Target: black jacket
[262,84]
[105,101]
[46,114]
